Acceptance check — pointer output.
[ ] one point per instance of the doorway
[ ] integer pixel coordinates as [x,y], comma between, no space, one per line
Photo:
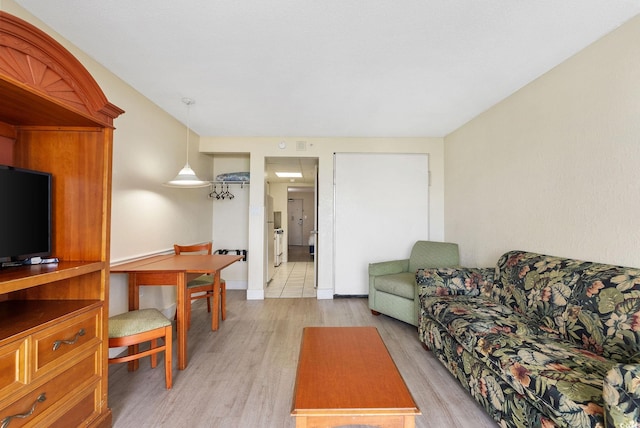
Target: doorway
[301,224]
[296,199]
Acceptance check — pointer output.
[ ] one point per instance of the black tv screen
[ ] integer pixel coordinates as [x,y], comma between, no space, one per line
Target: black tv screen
[25,213]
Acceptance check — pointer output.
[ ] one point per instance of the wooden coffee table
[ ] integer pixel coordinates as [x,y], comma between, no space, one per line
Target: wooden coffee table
[347,377]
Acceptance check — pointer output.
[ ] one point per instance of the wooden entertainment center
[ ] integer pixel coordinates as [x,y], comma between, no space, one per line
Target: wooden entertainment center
[53,318]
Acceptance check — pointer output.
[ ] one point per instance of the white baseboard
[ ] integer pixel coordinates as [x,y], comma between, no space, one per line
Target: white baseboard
[255,294]
[324,293]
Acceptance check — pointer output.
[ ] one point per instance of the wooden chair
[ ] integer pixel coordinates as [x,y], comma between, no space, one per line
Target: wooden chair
[136,327]
[203,283]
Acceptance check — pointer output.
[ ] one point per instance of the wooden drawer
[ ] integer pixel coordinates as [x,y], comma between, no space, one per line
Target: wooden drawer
[54,345]
[13,368]
[54,395]
[85,408]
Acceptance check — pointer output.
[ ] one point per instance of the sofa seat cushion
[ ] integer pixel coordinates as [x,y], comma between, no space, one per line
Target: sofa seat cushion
[506,406]
[470,318]
[561,377]
[399,284]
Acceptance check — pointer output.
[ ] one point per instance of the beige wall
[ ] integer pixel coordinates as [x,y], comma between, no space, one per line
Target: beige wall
[554,168]
[231,218]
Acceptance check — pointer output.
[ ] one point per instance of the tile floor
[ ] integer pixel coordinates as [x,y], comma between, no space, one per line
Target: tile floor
[293,278]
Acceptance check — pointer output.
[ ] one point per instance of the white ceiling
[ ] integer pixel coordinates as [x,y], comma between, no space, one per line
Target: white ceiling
[308,68]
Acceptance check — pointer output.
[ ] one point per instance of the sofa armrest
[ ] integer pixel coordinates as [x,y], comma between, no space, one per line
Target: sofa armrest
[455,281]
[621,394]
[389,267]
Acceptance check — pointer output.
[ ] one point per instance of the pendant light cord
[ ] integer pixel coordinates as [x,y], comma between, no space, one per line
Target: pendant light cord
[188,102]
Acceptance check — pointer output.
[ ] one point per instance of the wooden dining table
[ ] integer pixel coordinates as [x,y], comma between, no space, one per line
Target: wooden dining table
[176,270]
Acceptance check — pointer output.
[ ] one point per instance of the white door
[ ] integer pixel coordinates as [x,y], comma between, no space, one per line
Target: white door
[295,221]
[381,210]
[315,228]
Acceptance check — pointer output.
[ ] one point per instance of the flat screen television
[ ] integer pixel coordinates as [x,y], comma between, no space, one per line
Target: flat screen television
[25,214]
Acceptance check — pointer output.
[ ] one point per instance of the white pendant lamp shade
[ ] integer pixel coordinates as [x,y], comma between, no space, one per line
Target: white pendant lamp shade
[187,178]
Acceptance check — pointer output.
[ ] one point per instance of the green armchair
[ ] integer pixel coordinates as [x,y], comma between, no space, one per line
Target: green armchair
[392,284]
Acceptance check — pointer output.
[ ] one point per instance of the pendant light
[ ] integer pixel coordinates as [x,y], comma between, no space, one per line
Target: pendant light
[187,178]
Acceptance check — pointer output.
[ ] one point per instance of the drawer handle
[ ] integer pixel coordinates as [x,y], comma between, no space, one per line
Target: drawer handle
[58,343]
[7,420]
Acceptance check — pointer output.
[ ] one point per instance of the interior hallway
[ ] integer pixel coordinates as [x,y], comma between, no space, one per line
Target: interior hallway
[293,278]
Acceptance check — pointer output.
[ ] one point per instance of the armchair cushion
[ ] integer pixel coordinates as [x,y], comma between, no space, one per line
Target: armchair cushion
[398,284]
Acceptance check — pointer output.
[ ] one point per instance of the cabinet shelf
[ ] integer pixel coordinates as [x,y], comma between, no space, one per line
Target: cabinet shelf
[19,278]
[20,318]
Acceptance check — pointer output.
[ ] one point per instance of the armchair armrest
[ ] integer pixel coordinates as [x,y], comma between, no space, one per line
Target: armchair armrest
[455,281]
[389,267]
[621,393]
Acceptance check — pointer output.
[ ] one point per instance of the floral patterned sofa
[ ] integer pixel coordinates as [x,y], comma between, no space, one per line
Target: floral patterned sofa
[539,341]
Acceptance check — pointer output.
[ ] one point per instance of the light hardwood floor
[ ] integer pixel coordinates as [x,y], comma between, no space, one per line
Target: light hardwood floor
[243,375]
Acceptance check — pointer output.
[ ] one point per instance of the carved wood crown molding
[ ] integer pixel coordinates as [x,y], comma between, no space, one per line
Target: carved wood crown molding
[30,57]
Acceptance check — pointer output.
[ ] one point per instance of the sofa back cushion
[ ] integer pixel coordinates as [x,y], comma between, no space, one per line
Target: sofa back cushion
[430,254]
[456,281]
[594,305]
[536,285]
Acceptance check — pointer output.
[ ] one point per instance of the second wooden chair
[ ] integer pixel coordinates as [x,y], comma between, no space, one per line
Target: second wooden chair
[202,286]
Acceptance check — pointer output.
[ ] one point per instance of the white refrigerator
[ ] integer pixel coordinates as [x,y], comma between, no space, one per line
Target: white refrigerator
[269,238]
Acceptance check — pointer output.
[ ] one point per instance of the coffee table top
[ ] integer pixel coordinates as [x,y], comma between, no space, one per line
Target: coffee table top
[347,368]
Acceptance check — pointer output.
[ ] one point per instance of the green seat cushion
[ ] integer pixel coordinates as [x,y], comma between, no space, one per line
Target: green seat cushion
[399,284]
[135,322]
[202,280]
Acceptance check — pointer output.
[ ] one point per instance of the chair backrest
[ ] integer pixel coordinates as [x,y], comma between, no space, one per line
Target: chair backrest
[430,254]
[195,248]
